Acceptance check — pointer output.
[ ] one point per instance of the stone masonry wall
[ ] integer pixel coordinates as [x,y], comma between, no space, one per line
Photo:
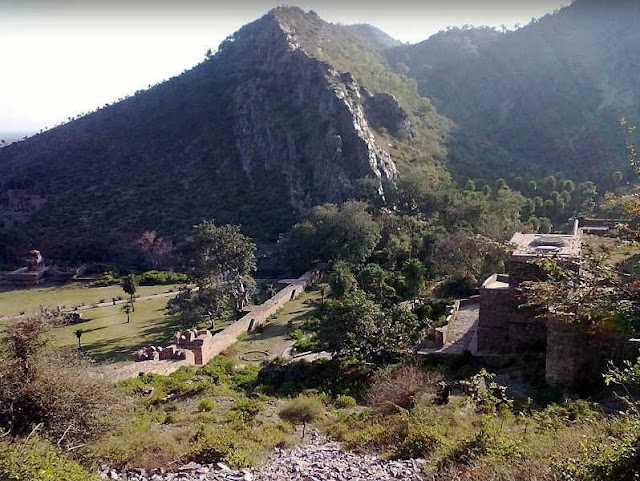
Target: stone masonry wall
[577,356]
[496,307]
[256,317]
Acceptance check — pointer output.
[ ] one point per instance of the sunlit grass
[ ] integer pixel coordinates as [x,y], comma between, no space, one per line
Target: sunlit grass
[71,295]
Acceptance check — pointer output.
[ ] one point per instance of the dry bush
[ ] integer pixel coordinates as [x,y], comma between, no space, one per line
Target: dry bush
[400,388]
[50,390]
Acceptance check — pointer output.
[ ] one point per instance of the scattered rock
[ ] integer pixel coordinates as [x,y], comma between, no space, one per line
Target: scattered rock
[319,459]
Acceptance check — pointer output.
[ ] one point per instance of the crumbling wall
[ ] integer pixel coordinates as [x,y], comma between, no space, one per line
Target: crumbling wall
[201,346]
[577,355]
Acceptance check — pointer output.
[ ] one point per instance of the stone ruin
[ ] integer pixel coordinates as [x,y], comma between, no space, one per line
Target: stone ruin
[32,274]
[503,329]
[156,353]
[189,344]
[36,272]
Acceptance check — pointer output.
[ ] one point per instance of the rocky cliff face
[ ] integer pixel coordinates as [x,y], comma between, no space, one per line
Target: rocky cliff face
[298,116]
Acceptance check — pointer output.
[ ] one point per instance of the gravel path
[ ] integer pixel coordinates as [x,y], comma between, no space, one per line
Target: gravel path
[319,459]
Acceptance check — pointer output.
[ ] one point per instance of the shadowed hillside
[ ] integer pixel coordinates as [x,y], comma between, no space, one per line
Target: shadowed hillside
[544,98]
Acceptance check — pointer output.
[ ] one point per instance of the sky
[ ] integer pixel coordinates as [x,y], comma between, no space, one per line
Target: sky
[60,58]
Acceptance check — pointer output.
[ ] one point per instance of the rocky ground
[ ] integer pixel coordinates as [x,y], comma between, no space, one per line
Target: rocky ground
[319,459]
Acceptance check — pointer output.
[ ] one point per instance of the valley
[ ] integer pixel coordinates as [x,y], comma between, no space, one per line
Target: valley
[322,253]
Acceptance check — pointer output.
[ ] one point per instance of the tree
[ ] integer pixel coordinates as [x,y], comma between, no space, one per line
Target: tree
[333,233]
[414,277]
[214,253]
[219,260]
[355,326]
[156,251]
[205,304]
[127,309]
[341,279]
[302,410]
[78,333]
[130,286]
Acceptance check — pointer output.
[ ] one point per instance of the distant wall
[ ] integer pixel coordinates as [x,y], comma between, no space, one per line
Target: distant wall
[256,317]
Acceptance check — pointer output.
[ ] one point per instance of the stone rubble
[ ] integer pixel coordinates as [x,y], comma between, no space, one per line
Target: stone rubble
[320,459]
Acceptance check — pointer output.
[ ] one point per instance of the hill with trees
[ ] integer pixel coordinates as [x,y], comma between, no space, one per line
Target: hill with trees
[547,97]
[292,112]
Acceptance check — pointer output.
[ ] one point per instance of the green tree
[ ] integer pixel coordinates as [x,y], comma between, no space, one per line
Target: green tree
[219,260]
[341,279]
[331,233]
[302,410]
[373,281]
[127,309]
[205,304]
[355,326]
[129,285]
[211,253]
[413,271]
[78,333]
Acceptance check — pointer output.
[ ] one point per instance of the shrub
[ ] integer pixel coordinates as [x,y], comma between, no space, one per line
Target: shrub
[344,401]
[398,388]
[302,410]
[38,460]
[245,409]
[206,405]
[154,278]
[236,443]
[50,387]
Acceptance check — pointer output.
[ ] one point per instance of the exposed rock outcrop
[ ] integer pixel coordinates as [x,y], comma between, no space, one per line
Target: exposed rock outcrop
[300,117]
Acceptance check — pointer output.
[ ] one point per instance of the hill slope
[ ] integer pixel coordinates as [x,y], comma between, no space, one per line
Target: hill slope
[268,127]
[544,98]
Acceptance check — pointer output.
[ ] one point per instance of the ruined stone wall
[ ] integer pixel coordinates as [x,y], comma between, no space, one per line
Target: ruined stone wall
[503,326]
[496,307]
[198,348]
[577,356]
[256,317]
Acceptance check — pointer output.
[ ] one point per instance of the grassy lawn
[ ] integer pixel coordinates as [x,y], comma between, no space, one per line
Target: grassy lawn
[272,340]
[108,337]
[71,295]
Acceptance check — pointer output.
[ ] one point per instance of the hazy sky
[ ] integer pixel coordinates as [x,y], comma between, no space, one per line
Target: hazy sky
[61,58]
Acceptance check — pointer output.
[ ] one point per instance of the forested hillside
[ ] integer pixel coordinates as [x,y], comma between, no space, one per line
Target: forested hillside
[545,98]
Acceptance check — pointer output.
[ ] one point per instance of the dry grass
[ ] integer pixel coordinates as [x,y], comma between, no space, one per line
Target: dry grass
[400,388]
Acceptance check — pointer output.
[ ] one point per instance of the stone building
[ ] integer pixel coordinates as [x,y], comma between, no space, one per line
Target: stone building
[503,325]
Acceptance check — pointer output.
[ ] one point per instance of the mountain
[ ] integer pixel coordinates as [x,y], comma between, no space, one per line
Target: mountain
[289,113]
[544,98]
[378,39]
[293,111]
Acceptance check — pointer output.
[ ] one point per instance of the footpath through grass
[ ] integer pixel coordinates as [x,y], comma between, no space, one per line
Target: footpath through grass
[271,340]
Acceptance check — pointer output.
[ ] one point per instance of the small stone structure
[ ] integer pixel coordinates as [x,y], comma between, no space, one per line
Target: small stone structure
[200,347]
[31,275]
[504,326]
[35,272]
[172,352]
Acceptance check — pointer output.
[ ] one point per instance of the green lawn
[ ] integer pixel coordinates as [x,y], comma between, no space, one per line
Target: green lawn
[71,295]
[273,338]
[108,337]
